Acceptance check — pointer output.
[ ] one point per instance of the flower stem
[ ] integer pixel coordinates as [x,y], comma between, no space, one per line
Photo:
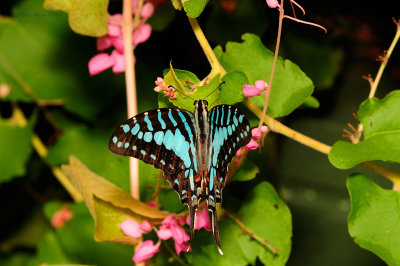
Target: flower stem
[130,83]
[216,67]
[271,77]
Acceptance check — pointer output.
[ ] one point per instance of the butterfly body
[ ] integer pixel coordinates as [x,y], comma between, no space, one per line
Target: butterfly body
[192,149]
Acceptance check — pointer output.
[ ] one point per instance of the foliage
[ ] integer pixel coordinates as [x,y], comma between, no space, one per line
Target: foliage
[56,121]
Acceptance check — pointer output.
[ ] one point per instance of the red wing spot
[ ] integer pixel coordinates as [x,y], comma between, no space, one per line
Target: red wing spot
[197,179]
[208,179]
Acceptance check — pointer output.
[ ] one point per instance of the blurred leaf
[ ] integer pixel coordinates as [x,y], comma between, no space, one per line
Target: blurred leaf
[322,67]
[76,241]
[246,171]
[291,86]
[108,204]
[86,17]
[16,259]
[311,102]
[50,251]
[230,19]
[265,214]
[231,91]
[15,147]
[381,121]
[33,44]
[63,5]
[180,80]
[193,8]
[91,146]
[374,218]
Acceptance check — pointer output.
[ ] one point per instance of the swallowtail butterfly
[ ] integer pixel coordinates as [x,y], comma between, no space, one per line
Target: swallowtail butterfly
[192,149]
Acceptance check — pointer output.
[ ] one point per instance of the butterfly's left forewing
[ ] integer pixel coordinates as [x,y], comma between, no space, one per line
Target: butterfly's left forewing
[163,138]
[229,131]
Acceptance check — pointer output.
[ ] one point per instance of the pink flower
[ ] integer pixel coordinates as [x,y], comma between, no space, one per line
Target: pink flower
[141,33]
[119,65]
[239,152]
[131,228]
[4,90]
[145,226]
[256,133]
[152,204]
[202,220]
[272,3]
[161,86]
[104,42]
[264,129]
[250,91]
[145,251]
[170,228]
[61,216]
[147,10]
[100,62]
[252,145]
[261,85]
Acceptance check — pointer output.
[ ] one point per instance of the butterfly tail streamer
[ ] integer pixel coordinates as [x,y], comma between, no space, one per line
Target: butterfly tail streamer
[192,214]
[215,227]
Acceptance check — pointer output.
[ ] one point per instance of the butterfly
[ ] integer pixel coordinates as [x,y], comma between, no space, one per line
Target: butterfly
[193,150]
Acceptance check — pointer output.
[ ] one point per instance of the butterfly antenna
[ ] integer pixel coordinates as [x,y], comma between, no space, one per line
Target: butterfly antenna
[215,227]
[219,86]
[184,95]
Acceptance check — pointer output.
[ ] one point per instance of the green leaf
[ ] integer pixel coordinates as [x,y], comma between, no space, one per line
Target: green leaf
[374,218]
[231,91]
[247,170]
[262,212]
[311,102]
[181,79]
[381,121]
[108,204]
[193,8]
[15,148]
[291,86]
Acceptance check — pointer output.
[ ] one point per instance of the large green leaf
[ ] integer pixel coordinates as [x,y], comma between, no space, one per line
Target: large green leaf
[15,148]
[291,86]
[246,171]
[231,91]
[193,8]
[262,212]
[374,218]
[381,121]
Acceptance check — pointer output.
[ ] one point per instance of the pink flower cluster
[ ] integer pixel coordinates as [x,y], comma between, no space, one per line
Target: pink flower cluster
[256,133]
[171,227]
[61,216]
[251,91]
[113,39]
[162,86]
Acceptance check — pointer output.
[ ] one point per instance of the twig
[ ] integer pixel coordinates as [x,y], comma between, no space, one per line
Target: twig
[130,83]
[253,235]
[216,67]
[271,77]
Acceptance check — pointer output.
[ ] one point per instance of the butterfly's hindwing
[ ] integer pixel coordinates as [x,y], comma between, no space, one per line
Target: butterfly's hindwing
[229,131]
[163,138]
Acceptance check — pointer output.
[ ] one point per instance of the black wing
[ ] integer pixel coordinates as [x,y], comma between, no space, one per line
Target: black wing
[164,138]
[229,131]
